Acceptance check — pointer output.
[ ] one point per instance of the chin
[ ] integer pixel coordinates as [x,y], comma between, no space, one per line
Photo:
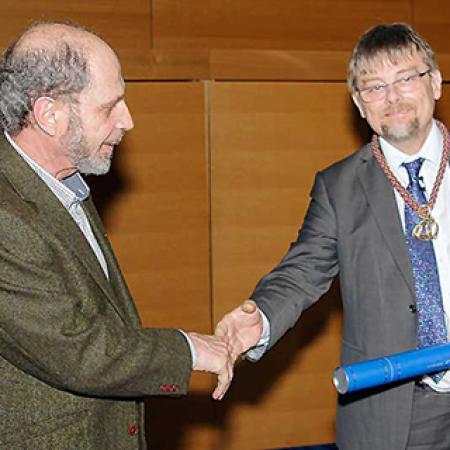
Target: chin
[97,167]
[400,133]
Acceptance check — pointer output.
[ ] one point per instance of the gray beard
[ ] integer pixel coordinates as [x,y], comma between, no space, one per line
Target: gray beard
[400,135]
[79,152]
[94,165]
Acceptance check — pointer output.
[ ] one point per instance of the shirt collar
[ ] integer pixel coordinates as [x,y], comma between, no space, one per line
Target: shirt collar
[77,185]
[431,150]
[71,190]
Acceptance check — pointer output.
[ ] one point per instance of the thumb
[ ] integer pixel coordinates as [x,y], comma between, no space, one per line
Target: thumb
[249,307]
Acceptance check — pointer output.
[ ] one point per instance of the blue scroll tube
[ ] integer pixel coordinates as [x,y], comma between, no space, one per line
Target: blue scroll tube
[388,369]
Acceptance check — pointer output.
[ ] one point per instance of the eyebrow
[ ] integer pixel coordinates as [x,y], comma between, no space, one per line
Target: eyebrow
[378,78]
[112,103]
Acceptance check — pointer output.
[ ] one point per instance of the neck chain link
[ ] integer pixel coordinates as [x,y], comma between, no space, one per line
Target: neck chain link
[427,228]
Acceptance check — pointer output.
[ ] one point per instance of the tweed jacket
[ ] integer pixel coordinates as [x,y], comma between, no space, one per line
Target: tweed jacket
[353,228]
[75,361]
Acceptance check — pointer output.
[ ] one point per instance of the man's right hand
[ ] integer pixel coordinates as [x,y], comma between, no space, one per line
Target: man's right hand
[241,328]
[213,356]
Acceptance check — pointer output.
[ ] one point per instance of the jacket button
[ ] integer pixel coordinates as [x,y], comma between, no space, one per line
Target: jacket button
[412,308]
[133,429]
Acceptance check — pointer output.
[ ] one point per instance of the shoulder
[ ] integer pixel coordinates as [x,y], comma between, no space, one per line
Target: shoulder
[345,170]
[18,217]
[341,180]
[349,163]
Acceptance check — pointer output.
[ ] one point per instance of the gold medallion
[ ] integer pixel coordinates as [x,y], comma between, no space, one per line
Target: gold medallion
[427,228]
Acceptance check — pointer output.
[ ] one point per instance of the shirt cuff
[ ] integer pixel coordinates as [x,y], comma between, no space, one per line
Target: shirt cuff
[256,353]
[191,348]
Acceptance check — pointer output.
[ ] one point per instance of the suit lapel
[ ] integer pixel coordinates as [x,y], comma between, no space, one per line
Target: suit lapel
[381,198]
[118,284]
[50,214]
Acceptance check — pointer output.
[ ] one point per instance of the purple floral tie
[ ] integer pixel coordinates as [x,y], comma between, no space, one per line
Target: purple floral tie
[432,329]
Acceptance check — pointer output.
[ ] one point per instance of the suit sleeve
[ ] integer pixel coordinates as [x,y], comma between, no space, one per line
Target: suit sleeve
[306,271]
[59,327]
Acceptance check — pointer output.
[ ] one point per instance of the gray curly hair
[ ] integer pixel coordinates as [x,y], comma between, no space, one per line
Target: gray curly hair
[59,70]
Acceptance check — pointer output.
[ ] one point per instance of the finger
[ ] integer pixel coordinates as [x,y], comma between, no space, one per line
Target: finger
[224,378]
[249,306]
[223,383]
[221,329]
[230,370]
[221,387]
[220,332]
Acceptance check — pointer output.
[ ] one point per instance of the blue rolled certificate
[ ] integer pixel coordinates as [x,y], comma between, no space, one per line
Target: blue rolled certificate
[388,369]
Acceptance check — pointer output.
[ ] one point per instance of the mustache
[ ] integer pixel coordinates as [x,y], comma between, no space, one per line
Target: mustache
[115,141]
[399,108]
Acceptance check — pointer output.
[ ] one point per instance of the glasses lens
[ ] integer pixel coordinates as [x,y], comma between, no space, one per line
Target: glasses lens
[372,95]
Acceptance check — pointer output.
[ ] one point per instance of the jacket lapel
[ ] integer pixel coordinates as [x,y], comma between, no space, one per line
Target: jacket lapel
[116,279]
[50,214]
[381,198]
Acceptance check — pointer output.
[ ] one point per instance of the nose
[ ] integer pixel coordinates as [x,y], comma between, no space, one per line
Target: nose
[392,95]
[125,121]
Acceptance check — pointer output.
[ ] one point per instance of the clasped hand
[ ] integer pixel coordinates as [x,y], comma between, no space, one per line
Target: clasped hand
[238,331]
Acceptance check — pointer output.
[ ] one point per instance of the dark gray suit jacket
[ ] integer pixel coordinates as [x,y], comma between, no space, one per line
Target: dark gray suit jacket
[74,358]
[353,228]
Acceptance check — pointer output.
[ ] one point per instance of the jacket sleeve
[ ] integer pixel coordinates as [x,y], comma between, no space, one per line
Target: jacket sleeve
[58,326]
[306,271]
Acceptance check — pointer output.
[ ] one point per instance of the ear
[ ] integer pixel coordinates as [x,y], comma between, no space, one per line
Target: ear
[45,114]
[359,105]
[436,84]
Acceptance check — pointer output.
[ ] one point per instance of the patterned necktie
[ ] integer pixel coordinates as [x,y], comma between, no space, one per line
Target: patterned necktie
[432,329]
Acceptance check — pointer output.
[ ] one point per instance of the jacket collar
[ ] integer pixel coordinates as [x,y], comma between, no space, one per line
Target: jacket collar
[381,199]
[50,214]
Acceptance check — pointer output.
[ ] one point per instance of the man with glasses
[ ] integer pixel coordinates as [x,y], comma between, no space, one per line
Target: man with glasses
[381,220]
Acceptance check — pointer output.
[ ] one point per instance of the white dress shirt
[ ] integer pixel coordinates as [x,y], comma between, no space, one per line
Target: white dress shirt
[431,152]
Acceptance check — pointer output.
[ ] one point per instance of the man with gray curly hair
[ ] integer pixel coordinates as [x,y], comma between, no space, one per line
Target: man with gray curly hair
[75,361]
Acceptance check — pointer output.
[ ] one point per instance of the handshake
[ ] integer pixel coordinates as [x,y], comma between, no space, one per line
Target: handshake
[237,332]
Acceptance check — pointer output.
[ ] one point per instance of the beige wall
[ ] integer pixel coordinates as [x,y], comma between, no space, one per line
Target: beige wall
[236,104]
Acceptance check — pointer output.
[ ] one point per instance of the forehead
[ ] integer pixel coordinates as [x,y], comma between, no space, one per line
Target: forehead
[385,64]
[106,76]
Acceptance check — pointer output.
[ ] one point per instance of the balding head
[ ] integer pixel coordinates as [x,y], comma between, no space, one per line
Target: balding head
[50,35]
[62,98]
[48,59]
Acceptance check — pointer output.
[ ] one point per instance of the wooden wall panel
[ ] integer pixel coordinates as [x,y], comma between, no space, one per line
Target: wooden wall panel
[233,40]
[267,141]
[443,105]
[269,24]
[432,20]
[156,210]
[158,218]
[269,39]
[125,24]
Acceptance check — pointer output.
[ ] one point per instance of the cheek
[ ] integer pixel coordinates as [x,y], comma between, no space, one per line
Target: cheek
[425,105]
[98,134]
[373,118]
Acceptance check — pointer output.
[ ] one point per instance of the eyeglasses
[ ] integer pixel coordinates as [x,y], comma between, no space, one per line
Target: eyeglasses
[403,85]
